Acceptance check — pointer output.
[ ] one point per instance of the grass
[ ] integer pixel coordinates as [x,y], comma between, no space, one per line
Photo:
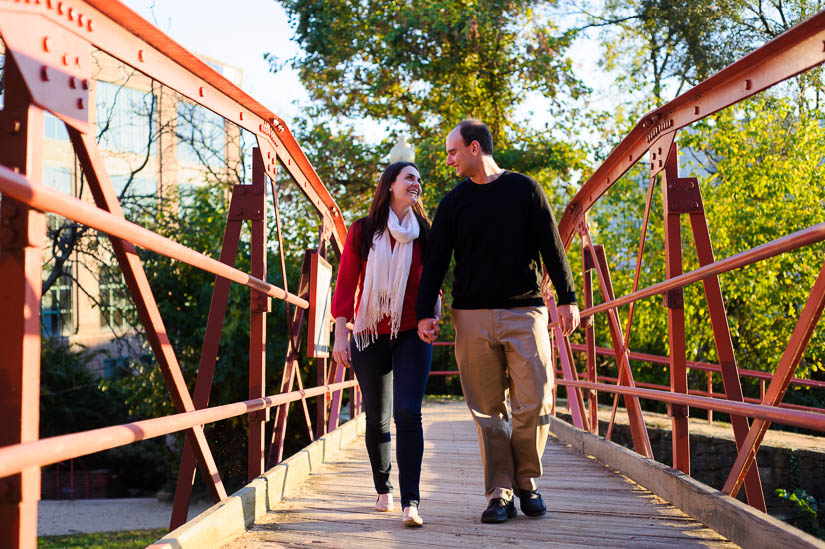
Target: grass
[102,540]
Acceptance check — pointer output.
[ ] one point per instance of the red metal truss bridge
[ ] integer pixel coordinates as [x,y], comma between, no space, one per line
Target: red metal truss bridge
[48,68]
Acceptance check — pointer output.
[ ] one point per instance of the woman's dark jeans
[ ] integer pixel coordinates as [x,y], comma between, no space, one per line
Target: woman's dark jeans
[394,371]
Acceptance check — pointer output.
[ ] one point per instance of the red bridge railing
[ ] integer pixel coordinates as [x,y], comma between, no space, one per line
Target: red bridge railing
[48,68]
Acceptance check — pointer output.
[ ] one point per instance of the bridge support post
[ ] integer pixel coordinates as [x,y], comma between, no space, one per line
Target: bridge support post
[588,265]
[574,396]
[674,301]
[206,364]
[683,196]
[638,430]
[259,305]
[22,237]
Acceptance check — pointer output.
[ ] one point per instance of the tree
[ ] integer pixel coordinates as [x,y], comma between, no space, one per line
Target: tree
[422,67]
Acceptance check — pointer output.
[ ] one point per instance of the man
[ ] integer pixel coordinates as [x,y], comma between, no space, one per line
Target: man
[500,227]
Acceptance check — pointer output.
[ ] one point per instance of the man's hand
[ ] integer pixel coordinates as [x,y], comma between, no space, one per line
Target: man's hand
[340,351]
[428,329]
[568,318]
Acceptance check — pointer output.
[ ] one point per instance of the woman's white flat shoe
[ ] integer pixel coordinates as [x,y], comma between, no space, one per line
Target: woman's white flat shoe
[411,517]
[384,503]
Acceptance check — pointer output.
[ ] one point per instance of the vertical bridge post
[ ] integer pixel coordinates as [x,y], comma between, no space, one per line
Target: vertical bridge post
[22,237]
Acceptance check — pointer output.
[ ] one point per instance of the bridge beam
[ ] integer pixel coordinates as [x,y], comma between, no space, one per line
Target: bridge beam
[22,238]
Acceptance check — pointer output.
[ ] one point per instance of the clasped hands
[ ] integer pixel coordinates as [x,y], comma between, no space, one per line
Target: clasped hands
[428,329]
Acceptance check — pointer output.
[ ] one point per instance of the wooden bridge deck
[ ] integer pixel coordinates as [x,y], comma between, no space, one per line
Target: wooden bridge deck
[588,504]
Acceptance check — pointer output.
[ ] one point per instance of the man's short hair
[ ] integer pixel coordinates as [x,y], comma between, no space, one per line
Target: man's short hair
[475,130]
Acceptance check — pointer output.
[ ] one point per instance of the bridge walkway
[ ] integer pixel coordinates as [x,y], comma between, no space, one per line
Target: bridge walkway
[588,504]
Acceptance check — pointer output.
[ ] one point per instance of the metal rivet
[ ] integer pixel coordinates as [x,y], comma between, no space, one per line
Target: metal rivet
[49,4]
[80,103]
[65,59]
[660,150]
[89,25]
[77,61]
[694,205]
[72,82]
[654,156]
[71,14]
[80,19]
[16,126]
[44,73]
[84,84]
[241,115]
[200,91]
[695,110]
[46,44]
[660,163]
[60,8]
[748,84]
[630,157]
[140,56]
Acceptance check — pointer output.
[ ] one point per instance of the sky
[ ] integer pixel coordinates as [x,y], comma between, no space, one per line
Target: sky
[236,33]
[239,33]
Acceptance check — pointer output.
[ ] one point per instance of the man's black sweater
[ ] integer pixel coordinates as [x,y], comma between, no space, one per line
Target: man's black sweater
[497,232]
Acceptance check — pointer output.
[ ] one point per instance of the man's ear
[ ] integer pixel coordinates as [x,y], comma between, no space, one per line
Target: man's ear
[475,148]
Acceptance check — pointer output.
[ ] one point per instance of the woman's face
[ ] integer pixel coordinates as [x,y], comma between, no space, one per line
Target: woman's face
[405,191]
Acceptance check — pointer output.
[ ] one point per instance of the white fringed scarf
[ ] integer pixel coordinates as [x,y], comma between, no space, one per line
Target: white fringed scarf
[385,280]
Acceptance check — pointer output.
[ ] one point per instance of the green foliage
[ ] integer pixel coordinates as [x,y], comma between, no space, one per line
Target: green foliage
[806,511]
[71,396]
[102,540]
[430,63]
[760,171]
[423,67]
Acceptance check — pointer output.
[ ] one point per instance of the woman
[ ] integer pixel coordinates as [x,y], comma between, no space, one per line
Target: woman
[383,259]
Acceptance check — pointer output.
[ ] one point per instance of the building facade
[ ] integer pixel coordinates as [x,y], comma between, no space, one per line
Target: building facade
[156,146]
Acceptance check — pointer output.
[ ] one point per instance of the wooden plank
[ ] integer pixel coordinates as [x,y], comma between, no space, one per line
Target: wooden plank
[732,518]
[588,503]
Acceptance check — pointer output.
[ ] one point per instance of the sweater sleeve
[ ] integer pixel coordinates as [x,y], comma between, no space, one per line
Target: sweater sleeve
[349,273]
[543,224]
[436,259]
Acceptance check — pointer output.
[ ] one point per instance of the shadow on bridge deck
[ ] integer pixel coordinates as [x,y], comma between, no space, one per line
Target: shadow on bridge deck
[588,504]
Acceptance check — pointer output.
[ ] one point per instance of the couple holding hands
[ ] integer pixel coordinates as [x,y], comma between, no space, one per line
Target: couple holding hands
[499,226]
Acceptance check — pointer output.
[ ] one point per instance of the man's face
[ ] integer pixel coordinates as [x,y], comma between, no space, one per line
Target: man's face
[463,158]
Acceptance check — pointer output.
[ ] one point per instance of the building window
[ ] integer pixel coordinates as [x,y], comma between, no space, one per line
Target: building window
[58,178]
[55,128]
[56,306]
[116,309]
[125,119]
[201,136]
[113,366]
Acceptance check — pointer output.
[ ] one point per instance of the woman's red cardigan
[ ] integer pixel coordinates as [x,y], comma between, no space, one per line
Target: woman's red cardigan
[351,273]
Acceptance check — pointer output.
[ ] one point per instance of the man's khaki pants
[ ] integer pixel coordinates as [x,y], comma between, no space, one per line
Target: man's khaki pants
[501,351]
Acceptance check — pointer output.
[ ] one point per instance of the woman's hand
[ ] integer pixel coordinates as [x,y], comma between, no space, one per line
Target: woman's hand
[340,351]
[428,329]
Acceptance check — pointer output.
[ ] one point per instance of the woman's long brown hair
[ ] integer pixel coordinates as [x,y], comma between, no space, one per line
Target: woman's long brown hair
[376,221]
